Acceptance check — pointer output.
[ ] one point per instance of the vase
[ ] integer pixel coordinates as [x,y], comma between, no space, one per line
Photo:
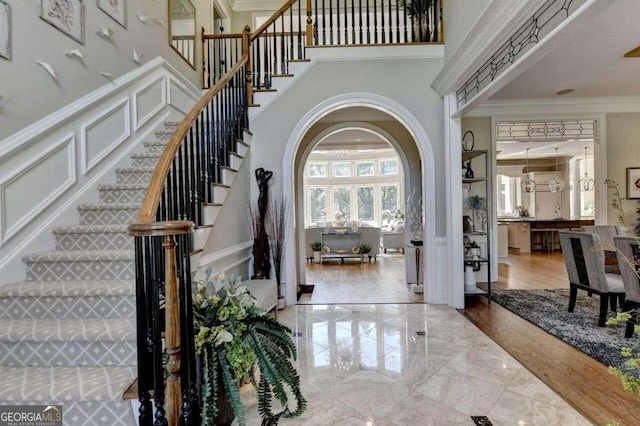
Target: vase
[316,257]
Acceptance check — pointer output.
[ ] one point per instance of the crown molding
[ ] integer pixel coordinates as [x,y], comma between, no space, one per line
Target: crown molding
[554,106]
[256,5]
[497,23]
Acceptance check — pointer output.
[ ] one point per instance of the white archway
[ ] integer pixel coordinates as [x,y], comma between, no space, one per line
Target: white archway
[413,126]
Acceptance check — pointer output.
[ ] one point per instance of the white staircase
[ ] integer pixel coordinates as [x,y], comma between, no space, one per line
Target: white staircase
[68,333]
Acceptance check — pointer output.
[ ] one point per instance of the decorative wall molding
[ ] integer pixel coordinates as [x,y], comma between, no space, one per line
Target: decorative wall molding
[352,53]
[216,256]
[7,229]
[256,5]
[87,162]
[554,106]
[141,117]
[495,25]
[103,116]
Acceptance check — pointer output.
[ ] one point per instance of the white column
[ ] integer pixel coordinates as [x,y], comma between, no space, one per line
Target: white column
[453,188]
[576,199]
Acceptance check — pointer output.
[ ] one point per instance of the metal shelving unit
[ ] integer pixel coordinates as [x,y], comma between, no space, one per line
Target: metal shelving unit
[473,183]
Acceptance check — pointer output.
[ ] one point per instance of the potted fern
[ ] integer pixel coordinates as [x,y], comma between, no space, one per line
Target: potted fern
[236,342]
[365,249]
[316,246]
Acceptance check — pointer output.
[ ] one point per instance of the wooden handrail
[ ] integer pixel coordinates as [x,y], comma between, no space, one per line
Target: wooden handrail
[272,19]
[220,36]
[156,185]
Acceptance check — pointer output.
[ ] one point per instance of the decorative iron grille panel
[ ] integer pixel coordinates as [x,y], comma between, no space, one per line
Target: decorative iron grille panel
[551,14]
[545,130]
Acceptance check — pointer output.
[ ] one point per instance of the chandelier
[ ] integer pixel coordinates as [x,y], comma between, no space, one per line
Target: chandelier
[527,184]
[556,184]
[586,183]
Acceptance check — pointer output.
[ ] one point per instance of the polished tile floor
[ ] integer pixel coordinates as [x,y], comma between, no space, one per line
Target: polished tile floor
[409,364]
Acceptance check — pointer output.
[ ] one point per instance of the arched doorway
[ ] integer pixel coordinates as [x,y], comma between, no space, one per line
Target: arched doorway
[419,171]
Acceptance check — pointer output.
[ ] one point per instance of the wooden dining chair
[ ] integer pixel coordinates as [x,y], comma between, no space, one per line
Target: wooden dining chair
[628,254]
[584,259]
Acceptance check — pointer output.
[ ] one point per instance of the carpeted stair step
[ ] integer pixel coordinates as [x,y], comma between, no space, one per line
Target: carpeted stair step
[134,175]
[68,299]
[144,161]
[93,237]
[154,147]
[68,342]
[122,193]
[171,125]
[91,396]
[108,213]
[80,265]
[164,135]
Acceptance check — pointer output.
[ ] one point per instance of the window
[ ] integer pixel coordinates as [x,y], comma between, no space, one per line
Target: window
[389,197]
[507,188]
[365,169]
[341,169]
[317,170]
[389,167]
[366,204]
[341,204]
[317,205]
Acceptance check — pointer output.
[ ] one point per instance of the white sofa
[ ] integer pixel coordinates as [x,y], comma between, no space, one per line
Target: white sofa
[393,238]
[368,235]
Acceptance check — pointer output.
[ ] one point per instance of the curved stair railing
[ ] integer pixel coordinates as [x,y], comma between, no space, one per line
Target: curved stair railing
[180,188]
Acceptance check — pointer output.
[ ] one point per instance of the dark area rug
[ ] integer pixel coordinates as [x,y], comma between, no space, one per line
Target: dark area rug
[548,310]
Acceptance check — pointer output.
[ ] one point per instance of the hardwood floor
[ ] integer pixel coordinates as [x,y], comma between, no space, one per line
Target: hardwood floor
[579,379]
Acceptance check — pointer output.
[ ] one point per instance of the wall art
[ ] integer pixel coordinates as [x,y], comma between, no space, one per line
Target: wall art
[116,9]
[633,183]
[65,15]
[5,30]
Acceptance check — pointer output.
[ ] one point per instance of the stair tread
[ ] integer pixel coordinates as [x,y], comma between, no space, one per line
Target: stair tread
[109,206]
[135,170]
[68,288]
[79,255]
[68,330]
[282,75]
[264,90]
[91,229]
[121,186]
[212,204]
[236,154]
[221,185]
[229,168]
[64,384]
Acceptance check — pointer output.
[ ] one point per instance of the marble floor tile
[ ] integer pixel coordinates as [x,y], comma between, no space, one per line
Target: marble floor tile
[491,364]
[512,408]
[465,393]
[417,409]
[367,365]
[369,393]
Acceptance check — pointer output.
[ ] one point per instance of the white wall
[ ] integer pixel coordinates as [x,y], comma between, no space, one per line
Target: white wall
[459,17]
[30,94]
[623,150]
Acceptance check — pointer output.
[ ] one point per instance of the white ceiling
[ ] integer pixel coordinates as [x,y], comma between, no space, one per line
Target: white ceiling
[591,61]
[518,150]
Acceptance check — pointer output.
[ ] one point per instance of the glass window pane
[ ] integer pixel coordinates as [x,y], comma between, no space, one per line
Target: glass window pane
[341,169]
[389,167]
[341,204]
[317,170]
[389,197]
[318,204]
[365,169]
[365,203]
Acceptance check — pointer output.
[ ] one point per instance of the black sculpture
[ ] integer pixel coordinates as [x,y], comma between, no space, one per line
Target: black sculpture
[261,256]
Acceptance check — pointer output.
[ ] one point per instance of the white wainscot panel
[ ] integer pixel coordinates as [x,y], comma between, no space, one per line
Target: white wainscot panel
[148,101]
[104,134]
[35,185]
[179,97]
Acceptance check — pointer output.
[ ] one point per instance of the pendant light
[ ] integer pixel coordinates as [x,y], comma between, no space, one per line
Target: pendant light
[527,184]
[586,183]
[556,184]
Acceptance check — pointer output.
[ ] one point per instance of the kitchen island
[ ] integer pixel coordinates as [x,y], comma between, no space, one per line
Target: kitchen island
[528,234]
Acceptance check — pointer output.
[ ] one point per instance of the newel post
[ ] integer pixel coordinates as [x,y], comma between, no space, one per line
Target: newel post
[246,45]
[309,24]
[172,333]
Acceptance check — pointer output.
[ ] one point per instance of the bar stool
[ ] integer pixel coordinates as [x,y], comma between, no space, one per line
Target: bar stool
[544,237]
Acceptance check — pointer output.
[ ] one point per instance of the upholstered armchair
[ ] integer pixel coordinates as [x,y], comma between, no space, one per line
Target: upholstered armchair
[584,258]
[628,251]
[394,237]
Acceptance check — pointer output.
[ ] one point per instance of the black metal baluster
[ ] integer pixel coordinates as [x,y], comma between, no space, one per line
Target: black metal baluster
[368,24]
[353,23]
[153,256]
[324,32]
[258,68]
[346,18]
[337,21]
[398,23]
[283,46]
[360,10]
[390,28]
[291,49]
[375,22]
[404,12]
[436,21]
[145,376]
[382,21]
